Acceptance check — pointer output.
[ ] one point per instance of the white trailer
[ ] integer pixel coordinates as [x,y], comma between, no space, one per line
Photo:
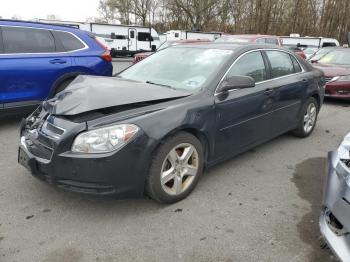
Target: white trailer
[119,39]
[174,35]
[308,44]
[126,39]
[318,42]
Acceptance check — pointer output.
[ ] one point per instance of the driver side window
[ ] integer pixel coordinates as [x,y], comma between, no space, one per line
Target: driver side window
[251,64]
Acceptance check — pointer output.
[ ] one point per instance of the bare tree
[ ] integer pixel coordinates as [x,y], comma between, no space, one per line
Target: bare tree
[107,12]
[280,17]
[123,9]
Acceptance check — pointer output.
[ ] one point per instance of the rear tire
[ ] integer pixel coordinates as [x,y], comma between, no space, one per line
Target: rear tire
[175,169]
[308,118]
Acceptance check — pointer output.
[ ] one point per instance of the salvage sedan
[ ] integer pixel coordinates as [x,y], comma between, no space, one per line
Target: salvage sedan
[335,217]
[153,128]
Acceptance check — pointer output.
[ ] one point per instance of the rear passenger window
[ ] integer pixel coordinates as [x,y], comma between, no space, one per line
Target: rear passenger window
[281,64]
[27,40]
[297,68]
[251,64]
[69,41]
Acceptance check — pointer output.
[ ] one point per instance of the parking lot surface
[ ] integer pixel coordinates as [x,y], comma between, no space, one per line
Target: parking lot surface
[260,206]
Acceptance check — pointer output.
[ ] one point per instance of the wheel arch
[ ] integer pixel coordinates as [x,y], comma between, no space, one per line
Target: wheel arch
[318,99]
[63,78]
[201,136]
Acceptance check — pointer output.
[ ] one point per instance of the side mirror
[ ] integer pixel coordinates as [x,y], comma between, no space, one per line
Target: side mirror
[313,61]
[236,82]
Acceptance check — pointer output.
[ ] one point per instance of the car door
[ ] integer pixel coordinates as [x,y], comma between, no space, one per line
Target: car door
[132,39]
[29,65]
[290,85]
[244,116]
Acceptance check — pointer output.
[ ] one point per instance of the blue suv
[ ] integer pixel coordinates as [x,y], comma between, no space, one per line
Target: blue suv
[39,60]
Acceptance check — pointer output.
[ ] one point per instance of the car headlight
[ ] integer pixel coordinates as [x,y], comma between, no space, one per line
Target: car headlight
[341,78]
[104,140]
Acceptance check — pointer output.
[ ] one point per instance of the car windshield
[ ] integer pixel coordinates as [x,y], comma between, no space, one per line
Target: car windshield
[337,57]
[184,68]
[310,51]
[320,53]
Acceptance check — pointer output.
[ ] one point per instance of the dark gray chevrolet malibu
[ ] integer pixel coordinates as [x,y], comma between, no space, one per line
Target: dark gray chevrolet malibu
[154,127]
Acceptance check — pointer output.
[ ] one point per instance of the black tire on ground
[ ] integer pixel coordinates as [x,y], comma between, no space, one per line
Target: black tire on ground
[63,85]
[300,131]
[153,187]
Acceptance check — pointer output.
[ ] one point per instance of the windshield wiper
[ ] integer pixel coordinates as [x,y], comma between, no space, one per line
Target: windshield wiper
[153,83]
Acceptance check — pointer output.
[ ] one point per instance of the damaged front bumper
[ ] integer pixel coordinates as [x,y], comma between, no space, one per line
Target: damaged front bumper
[45,150]
[335,217]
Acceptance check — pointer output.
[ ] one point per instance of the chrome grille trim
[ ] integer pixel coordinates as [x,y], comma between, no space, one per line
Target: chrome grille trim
[52,130]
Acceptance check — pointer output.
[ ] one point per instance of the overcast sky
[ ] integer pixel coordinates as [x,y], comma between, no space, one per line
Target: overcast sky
[74,10]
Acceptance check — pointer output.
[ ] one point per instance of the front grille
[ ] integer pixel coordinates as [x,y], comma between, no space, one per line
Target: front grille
[52,130]
[38,149]
[55,129]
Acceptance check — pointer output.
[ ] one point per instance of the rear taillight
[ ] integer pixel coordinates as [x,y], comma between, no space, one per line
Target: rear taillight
[107,56]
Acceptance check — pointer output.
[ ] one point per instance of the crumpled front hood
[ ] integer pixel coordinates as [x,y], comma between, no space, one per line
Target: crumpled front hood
[89,93]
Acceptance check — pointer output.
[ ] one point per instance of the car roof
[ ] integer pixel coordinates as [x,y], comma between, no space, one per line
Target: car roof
[39,25]
[248,36]
[184,41]
[231,46]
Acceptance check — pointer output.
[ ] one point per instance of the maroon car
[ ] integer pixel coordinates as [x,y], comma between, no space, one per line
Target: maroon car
[259,39]
[140,56]
[336,67]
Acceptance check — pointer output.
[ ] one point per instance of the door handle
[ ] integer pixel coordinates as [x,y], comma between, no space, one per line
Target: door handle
[269,91]
[58,61]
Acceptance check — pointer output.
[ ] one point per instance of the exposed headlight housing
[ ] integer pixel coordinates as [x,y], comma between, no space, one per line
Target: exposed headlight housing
[104,140]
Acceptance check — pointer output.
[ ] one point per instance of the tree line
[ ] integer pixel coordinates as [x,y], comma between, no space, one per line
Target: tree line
[328,18]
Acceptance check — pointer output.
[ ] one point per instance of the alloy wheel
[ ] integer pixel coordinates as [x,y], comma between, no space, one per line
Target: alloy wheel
[310,118]
[179,169]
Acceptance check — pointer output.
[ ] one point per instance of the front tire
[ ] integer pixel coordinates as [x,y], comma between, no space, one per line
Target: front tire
[308,118]
[175,169]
